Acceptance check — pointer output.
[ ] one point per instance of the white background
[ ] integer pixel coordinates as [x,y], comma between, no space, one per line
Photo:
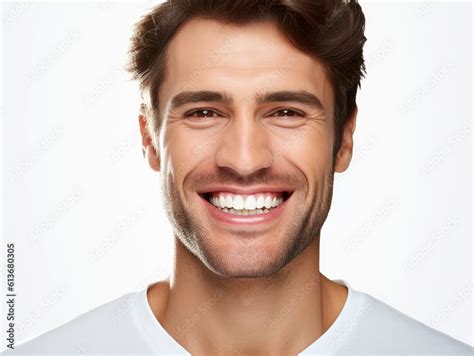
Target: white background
[84,210]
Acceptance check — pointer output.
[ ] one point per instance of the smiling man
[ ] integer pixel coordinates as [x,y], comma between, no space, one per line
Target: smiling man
[249,110]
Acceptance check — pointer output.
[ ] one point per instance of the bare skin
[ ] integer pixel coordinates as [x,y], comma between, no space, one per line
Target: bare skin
[246,289]
[230,317]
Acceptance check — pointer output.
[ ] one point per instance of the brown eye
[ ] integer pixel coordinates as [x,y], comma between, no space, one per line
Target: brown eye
[202,113]
[287,112]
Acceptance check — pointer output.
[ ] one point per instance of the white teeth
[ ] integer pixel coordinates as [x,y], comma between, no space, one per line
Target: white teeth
[246,212]
[250,202]
[238,202]
[222,201]
[228,201]
[268,202]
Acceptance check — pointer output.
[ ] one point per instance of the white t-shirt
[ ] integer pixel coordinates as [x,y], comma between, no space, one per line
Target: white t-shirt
[127,325]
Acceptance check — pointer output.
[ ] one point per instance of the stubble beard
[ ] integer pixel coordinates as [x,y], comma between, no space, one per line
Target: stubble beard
[299,232]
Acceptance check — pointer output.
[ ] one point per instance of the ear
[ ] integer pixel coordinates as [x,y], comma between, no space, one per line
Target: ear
[148,149]
[344,155]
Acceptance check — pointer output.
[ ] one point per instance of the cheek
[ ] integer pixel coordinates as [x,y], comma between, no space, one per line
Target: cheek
[311,152]
[186,149]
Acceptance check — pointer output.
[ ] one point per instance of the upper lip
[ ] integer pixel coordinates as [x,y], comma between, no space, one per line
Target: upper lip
[240,190]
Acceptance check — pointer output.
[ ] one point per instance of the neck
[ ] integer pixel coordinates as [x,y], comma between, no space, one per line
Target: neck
[281,314]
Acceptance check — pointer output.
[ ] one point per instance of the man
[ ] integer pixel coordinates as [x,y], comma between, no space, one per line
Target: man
[249,109]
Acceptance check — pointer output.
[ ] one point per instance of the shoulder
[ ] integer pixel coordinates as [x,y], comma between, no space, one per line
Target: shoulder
[387,329]
[93,331]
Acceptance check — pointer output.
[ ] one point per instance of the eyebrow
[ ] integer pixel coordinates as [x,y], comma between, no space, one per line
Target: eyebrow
[301,96]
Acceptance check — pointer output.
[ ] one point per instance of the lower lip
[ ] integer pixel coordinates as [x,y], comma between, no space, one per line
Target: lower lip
[233,219]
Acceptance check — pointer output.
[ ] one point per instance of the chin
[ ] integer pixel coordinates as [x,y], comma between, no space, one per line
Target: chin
[243,263]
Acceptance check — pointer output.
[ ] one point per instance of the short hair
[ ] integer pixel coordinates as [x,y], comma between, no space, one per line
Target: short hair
[331,31]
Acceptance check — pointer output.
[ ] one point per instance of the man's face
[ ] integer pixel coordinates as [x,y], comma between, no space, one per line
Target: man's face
[219,156]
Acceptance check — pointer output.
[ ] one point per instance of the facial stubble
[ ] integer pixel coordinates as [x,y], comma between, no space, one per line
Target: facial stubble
[299,231]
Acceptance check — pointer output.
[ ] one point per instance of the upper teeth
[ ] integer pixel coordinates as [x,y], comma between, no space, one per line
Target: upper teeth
[249,202]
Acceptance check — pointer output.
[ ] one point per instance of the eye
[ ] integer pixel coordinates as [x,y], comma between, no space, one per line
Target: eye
[202,113]
[288,112]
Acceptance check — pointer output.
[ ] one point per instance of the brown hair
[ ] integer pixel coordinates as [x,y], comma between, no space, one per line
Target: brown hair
[329,30]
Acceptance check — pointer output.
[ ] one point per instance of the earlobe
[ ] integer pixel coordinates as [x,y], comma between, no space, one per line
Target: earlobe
[344,154]
[152,158]
[148,150]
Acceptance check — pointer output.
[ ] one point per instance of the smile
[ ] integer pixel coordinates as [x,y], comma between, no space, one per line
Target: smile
[234,208]
[246,204]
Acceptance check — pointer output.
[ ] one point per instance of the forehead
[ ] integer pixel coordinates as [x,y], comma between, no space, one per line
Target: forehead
[241,59]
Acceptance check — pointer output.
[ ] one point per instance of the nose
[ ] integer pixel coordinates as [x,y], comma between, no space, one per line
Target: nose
[244,147]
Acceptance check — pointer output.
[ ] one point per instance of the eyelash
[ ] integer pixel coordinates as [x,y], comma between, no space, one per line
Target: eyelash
[195,111]
[297,112]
